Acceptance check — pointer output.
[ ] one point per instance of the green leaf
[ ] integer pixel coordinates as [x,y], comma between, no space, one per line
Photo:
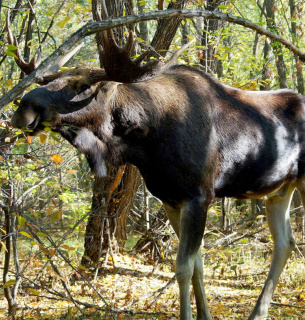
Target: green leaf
[46,124]
[55,136]
[222,7]
[62,23]
[41,234]
[11,47]
[142,2]
[10,53]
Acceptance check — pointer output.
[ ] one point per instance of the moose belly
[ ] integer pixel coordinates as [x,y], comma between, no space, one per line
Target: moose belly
[258,177]
[170,184]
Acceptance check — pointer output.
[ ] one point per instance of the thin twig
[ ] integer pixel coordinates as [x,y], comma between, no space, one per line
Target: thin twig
[287,305]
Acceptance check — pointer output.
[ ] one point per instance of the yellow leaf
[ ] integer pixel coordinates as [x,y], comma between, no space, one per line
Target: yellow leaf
[8,283]
[3,231]
[82,268]
[26,234]
[29,139]
[260,216]
[56,158]
[21,221]
[33,291]
[43,138]
[3,245]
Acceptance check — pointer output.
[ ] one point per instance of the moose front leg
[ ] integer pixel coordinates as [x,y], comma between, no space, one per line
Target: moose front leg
[188,222]
[197,281]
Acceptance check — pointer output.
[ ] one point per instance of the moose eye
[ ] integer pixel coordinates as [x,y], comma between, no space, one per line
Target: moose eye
[83,88]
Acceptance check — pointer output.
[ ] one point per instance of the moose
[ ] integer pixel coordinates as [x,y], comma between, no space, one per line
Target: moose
[192,138]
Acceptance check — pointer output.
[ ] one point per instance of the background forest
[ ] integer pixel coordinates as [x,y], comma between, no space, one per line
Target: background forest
[78,247]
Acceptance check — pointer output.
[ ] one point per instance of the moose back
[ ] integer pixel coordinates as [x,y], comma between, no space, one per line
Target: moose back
[192,138]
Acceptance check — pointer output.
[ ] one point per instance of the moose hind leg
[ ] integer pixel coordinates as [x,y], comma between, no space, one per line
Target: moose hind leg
[277,212]
[188,222]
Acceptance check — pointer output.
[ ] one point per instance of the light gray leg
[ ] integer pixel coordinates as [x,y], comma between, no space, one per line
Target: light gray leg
[301,188]
[278,217]
[189,226]
[197,281]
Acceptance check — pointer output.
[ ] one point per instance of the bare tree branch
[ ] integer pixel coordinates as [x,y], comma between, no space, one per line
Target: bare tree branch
[93,27]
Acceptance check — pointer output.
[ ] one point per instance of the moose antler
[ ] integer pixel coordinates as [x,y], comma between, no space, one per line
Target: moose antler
[26,67]
[116,60]
[51,73]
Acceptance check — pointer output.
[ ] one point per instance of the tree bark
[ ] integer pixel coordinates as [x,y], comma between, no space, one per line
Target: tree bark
[112,200]
[211,63]
[267,71]
[298,63]
[113,196]
[143,30]
[277,49]
[167,29]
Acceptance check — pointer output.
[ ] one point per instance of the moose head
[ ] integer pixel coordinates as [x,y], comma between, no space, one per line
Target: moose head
[192,139]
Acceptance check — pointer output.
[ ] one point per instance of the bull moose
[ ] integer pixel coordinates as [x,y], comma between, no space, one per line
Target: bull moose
[193,139]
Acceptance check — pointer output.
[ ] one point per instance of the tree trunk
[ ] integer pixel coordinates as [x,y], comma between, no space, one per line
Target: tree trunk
[167,28]
[208,60]
[6,203]
[277,48]
[112,199]
[298,63]
[267,71]
[113,196]
[143,30]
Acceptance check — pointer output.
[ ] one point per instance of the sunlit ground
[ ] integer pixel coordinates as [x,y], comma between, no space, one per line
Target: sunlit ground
[135,288]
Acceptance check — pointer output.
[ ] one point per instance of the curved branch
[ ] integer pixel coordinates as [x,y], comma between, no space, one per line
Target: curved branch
[93,27]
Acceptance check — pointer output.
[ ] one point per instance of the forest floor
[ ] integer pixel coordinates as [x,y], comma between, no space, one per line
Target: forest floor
[136,287]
